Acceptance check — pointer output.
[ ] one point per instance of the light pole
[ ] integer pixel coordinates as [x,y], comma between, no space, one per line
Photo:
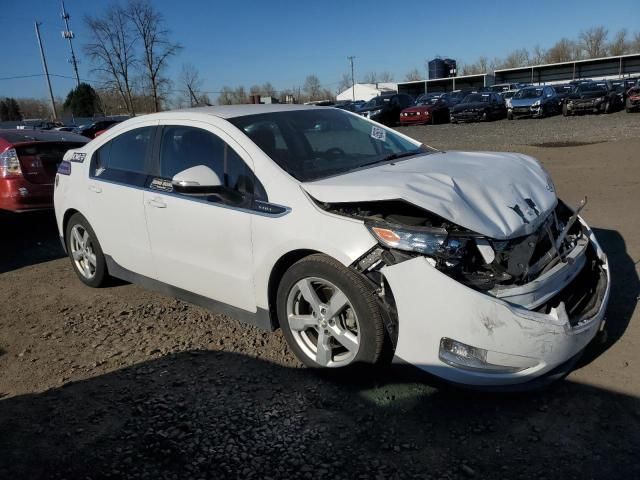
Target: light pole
[46,71]
[68,34]
[353,83]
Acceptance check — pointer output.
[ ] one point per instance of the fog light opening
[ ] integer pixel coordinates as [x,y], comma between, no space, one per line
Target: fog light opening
[467,357]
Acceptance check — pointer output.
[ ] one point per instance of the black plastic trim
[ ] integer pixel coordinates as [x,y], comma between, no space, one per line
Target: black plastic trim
[260,318]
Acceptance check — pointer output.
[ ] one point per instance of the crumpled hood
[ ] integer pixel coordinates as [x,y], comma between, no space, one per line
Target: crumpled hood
[500,195]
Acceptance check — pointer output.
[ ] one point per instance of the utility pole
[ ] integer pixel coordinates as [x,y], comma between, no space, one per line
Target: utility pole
[68,34]
[353,83]
[46,71]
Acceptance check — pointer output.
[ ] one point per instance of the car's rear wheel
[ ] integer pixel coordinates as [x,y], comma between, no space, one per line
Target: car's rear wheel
[85,252]
[329,315]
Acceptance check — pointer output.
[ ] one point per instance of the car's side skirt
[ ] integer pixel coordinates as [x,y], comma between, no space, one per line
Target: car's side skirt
[260,318]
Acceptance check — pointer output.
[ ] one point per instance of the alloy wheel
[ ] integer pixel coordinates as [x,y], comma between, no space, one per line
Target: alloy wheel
[323,322]
[82,251]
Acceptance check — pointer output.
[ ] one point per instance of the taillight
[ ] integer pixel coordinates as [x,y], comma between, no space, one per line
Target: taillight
[9,164]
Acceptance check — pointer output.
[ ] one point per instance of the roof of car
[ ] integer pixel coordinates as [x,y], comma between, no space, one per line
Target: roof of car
[231,111]
[26,136]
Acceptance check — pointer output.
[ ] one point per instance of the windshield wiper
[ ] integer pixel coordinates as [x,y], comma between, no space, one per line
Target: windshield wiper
[395,156]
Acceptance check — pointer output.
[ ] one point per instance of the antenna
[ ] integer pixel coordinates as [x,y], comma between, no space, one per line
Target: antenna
[68,34]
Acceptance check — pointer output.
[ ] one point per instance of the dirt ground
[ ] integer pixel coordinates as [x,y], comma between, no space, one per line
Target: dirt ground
[125,383]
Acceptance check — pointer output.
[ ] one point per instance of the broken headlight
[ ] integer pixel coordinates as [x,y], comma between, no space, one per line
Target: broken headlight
[426,240]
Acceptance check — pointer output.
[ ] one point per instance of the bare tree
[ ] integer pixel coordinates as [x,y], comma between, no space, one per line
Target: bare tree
[538,55]
[564,50]
[634,46]
[371,77]
[112,49]
[226,96]
[413,75]
[619,45]
[192,83]
[385,77]
[517,58]
[594,42]
[156,46]
[378,77]
[312,88]
[345,82]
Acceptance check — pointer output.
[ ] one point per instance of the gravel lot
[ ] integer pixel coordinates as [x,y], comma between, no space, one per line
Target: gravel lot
[124,383]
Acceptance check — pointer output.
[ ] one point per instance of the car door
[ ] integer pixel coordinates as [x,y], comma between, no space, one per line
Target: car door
[114,207]
[200,243]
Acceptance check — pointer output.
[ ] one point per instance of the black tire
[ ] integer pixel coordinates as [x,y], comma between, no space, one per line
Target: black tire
[565,110]
[509,116]
[357,291]
[100,275]
[607,107]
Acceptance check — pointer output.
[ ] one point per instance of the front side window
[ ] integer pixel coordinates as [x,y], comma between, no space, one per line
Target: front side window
[318,143]
[185,147]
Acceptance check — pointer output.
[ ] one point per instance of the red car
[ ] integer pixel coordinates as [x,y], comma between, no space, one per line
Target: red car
[29,161]
[633,99]
[432,108]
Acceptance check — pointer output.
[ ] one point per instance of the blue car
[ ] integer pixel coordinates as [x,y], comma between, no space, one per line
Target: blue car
[534,102]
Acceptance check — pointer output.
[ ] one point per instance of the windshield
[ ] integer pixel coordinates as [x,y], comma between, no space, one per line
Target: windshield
[591,87]
[563,88]
[377,102]
[318,143]
[528,93]
[508,93]
[428,100]
[477,97]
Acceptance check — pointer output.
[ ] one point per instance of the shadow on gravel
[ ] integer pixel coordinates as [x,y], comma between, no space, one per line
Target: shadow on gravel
[27,239]
[625,288]
[224,415]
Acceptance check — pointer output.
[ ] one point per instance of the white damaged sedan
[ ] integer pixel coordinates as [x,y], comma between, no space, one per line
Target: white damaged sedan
[351,237]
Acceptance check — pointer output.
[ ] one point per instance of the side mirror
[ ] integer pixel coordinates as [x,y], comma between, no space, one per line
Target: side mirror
[198,179]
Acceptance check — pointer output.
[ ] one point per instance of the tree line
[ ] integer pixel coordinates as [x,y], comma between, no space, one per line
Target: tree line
[130,48]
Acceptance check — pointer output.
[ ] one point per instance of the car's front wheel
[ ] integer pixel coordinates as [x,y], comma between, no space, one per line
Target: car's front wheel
[329,314]
[85,252]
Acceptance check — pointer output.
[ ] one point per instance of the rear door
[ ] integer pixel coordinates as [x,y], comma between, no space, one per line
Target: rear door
[115,209]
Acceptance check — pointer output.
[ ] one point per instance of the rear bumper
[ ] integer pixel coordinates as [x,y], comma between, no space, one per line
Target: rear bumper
[431,307]
[20,195]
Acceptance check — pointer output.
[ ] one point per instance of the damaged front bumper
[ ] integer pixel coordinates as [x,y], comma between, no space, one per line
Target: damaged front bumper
[499,338]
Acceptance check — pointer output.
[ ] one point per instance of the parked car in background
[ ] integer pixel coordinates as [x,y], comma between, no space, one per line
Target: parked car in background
[354,239]
[66,128]
[29,161]
[503,87]
[508,95]
[91,129]
[484,106]
[457,96]
[429,108]
[350,105]
[562,91]
[533,102]
[632,102]
[589,98]
[386,109]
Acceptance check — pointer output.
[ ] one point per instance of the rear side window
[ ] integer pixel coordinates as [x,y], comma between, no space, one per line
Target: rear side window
[127,152]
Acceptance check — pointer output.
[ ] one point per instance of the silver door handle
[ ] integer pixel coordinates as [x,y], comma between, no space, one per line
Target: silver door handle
[156,202]
[95,189]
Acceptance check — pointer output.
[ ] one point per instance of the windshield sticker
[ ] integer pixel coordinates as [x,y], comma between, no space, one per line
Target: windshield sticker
[378,133]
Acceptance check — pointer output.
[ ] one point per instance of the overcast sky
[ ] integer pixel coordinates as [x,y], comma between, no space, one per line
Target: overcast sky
[250,42]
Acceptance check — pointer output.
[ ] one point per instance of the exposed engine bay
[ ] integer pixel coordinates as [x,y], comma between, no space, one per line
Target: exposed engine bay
[476,261]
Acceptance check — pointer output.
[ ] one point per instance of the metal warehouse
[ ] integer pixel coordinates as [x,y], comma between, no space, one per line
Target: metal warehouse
[596,68]
[447,84]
